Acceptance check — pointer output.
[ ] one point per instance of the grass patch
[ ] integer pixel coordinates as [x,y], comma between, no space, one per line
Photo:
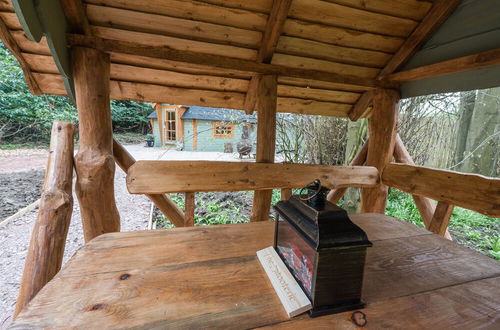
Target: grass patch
[130,138]
[469,228]
[26,145]
[218,208]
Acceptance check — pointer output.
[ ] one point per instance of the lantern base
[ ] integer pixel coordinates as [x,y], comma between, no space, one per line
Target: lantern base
[333,309]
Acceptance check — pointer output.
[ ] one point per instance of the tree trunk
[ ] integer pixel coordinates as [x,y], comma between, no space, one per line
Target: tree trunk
[94,162]
[483,135]
[355,134]
[48,239]
[467,100]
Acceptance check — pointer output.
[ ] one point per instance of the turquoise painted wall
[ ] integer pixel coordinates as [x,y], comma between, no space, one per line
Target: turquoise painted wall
[156,133]
[206,141]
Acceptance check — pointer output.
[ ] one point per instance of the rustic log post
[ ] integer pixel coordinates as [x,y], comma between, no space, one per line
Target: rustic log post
[94,162]
[424,205]
[266,141]
[46,249]
[382,131]
[441,218]
[124,159]
[336,194]
[189,209]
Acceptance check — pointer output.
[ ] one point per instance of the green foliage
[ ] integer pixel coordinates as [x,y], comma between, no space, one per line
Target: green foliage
[467,227]
[25,117]
[400,205]
[23,114]
[130,116]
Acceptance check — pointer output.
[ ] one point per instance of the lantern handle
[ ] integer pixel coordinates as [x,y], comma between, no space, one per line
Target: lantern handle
[316,185]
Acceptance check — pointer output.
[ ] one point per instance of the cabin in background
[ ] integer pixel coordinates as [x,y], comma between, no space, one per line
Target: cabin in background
[195,128]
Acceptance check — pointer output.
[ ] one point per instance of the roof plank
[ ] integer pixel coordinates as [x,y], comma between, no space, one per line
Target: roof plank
[193,10]
[342,36]
[342,16]
[175,79]
[412,9]
[329,52]
[317,94]
[149,39]
[308,63]
[171,26]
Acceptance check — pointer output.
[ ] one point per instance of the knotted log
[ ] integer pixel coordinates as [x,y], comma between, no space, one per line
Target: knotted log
[46,249]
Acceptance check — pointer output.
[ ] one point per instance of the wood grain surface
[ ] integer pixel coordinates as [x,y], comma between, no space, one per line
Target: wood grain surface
[210,277]
[181,176]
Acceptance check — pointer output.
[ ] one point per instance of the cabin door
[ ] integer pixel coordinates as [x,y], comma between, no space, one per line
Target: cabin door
[169,126]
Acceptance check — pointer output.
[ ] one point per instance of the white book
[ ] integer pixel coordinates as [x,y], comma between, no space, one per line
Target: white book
[292,296]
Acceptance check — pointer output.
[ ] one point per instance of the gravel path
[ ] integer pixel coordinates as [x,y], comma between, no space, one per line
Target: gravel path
[15,236]
[19,168]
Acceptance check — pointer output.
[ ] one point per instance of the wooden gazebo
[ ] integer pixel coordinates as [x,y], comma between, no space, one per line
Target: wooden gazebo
[346,58]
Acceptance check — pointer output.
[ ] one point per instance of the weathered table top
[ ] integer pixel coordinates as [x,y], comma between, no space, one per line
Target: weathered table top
[209,277]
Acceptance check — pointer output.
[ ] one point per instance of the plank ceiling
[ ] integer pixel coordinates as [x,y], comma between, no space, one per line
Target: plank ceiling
[351,37]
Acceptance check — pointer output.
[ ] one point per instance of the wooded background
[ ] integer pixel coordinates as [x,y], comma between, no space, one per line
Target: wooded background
[458,131]
[25,117]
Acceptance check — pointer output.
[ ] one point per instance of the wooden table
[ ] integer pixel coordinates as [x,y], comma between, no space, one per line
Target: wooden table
[209,277]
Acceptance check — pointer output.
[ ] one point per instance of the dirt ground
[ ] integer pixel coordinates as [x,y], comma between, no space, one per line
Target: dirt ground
[21,177]
[19,186]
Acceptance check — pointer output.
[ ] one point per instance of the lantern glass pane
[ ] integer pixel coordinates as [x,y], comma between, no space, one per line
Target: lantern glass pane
[297,254]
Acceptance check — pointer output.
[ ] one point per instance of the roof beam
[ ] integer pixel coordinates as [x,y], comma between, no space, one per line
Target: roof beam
[440,11]
[217,61]
[11,45]
[274,28]
[361,106]
[74,11]
[465,63]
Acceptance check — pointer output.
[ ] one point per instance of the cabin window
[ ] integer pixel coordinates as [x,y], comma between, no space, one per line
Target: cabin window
[170,124]
[223,130]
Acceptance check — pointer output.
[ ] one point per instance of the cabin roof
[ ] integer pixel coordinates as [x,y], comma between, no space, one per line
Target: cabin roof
[218,114]
[213,114]
[327,54]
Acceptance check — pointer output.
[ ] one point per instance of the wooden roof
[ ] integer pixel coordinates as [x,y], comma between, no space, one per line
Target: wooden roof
[205,52]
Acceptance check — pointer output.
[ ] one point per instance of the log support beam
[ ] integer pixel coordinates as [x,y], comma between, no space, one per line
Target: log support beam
[94,162]
[189,204]
[266,140]
[48,239]
[425,205]
[441,218]
[382,132]
[125,160]
[270,38]
[361,107]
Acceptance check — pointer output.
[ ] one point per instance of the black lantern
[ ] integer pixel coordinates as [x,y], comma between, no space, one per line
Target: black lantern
[323,249]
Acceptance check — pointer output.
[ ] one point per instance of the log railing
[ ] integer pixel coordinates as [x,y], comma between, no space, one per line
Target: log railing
[125,160]
[157,177]
[48,239]
[470,191]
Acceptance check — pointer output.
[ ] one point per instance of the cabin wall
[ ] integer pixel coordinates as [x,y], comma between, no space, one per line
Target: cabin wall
[156,133]
[205,139]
